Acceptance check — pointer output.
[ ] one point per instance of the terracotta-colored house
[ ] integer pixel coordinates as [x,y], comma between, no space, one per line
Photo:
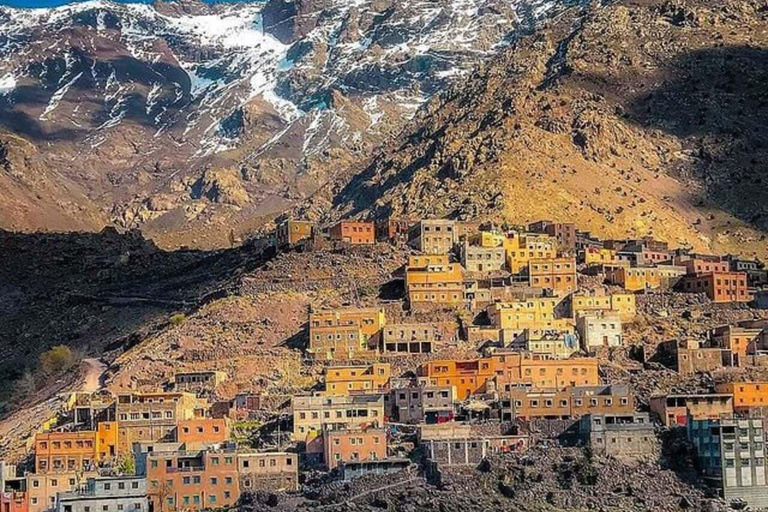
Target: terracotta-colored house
[353,445]
[355,233]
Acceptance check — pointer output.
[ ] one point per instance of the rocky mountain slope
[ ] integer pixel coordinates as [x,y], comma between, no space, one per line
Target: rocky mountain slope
[191,119]
[633,117]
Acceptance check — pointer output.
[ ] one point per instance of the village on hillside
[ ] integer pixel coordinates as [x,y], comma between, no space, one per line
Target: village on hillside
[542,307]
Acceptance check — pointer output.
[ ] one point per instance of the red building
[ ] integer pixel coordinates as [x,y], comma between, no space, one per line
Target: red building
[355,233]
[719,286]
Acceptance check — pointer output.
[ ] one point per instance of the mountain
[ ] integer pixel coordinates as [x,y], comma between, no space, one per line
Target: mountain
[190,120]
[629,118]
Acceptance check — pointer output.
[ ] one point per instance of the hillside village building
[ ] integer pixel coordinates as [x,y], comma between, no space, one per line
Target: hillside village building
[533,313]
[557,274]
[196,382]
[434,280]
[313,414]
[624,436]
[718,286]
[347,380]
[65,452]
[563,232]
[556,344]
[391,229]
[522,248]
[482,259]
[599,329]
[433,236]
[565,403]
[290,232]
[746,395]
[424,404]
[106,494]
[410,338]
[622,303]
[268,471]
[740,341]
[344,333]
[42,490]
[676,410]
[353,445]
[152,416]
[354,233]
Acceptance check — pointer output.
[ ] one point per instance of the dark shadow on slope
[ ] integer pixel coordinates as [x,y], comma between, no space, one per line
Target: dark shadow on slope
[93,291]
[716,102]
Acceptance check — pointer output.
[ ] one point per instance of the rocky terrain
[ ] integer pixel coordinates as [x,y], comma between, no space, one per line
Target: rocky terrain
[641,117]
[190,120]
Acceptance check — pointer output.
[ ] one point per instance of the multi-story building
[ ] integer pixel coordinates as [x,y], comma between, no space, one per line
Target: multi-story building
[593,256]
[196,432]
[290,232]
[565,403]
[43,489]
[488,239]
[353,445]
[476,258]
[424,404]
[718,286]
[434,280]
[354,233]
[702,265]
[634,278]
[346,380]
[192,480]
[746,395]
[433,236]
[557,274]
[739,341]
[553,343]
[412,338]
[152,416]
[675,410]
[563,232]
[106,494]
[13,490]
[730,453]
[345,332]
[466,377]
[599,329]
[195,382]
[268,471]
[540,372]
[619,435]
[522,248]
[65,452]
[458,444]
[388,228]
[533,313]
[315,413]
[757,275]
[622,303]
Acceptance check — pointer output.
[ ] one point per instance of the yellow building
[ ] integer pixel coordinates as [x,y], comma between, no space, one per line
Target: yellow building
[635,278]
[535,313]
[621,303]
[433,279]
[346,380]
[521,248]
[488,239]
[345,332]
[595,256]
[556,274]
[106,440]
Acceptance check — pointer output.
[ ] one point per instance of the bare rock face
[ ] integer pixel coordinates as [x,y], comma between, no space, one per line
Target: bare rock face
[222,186]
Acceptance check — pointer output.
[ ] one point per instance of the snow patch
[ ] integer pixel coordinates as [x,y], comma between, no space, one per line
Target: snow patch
[53,103]
[7,84]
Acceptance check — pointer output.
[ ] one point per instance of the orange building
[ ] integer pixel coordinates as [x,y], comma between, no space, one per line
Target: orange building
[194,480]
[634,278]
[467,377]
[695,266]
[674,410]
[520,249]
[558,274]
[43,489]
[345,332]
[745,394]
[568,402]
[198,431]
[60,452]
[345,380]
[355,233]
[106,440]
[719,286]
[353,445]
[740,341]
[433,279]
[290,232]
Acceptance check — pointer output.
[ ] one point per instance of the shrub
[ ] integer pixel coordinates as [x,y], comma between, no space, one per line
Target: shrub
[178,319]
[56,360]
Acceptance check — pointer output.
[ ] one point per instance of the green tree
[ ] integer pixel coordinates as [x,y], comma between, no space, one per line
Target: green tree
[56,360]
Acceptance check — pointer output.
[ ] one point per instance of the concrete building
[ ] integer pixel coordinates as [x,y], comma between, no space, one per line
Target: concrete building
[556,274]
[746,395]
[65,452]
[675,410]
[152,416]
[353,445]
[553,343]
[411,338]
[106,494]
[313,414]
[196,432]
[388,228]
[622,436]
[466,377]
[195,382]
[599,329]
[598,256]
[691,357]
[455,444]
[635,278]
[566,403]
[354,233]
[268,471]
[622,303]
[192,480]
[290,232]
[522,248]
[739,341]
[532,313]
[347,380]
[43,489]
[13,490]
[344,333]
[482,259]
[355,469]
[434,280]
[718,286]
[424,404]
[433,236]
[563,232]
[731,456]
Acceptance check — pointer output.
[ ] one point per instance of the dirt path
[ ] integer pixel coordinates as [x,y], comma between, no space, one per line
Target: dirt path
[94,369]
